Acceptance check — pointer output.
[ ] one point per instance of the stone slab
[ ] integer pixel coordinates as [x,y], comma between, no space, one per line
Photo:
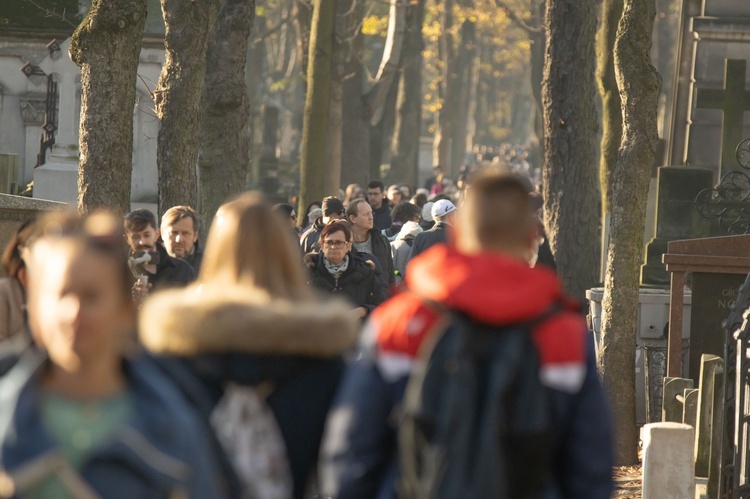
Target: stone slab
[710,366]
[690,408]
[14,210]
[667,462]
[57,182]
[674,390]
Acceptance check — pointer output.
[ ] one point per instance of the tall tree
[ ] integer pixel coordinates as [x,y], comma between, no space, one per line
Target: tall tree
[446,86]
[611,114]
[178,98]
[224,133]
[408,126]
[315,127]
[570,186]
[464,67]
[639,85]
[106,47]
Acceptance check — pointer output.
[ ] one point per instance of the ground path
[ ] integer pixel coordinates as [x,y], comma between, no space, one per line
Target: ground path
[628,480]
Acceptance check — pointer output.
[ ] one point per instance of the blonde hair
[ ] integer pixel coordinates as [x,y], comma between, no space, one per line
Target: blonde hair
[249,245]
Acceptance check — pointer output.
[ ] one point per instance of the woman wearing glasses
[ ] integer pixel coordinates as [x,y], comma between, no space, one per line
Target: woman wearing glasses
[338,271]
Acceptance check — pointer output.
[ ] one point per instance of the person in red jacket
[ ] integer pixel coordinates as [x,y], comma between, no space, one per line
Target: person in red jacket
[483,274]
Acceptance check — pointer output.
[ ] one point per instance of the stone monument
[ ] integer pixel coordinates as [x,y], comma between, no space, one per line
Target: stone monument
[57,178]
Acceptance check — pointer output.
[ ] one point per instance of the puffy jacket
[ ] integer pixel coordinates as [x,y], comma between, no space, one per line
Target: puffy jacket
[359,453]
[401,247]
[361,284]
[309,240]
[205,336]
[163,451]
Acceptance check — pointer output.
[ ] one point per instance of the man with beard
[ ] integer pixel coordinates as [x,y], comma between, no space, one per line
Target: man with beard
[179,232]
[163,270]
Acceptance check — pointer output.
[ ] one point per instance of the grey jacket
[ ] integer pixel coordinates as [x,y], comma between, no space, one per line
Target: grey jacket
[401,248]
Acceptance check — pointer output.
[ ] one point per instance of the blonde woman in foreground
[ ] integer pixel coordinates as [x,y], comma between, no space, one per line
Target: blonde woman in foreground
[251,319]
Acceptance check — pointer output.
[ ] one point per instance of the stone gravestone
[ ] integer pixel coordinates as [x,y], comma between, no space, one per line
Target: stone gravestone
[9,173]
[676,217]
[718,266]
[711,31]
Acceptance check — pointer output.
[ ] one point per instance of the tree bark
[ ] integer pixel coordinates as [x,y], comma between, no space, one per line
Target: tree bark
[355,141]
[611,114]
[570,186]
[462,89]
[639,85]
[408,127]
[178,97]
[225,112]
[312,162]
[106,46]
[334,139]
[446,57]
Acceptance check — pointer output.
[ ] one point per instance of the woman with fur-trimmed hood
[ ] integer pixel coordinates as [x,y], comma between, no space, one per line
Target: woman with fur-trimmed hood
[250,318]
[340,271]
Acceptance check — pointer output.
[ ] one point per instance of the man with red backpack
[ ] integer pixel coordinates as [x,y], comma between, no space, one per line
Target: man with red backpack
[479,380]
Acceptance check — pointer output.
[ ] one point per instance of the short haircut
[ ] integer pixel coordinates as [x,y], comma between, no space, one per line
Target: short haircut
[405,212]
[333,227]
[353,209]
[376,184]
[497,212]
[177,213]
[138,220]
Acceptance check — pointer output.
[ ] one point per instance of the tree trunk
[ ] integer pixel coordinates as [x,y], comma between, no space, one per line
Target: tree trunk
[355,142]
[408,127]
[106,47]
[312,162]
[538,49]
[611,114]
[178,98]
[332,173]
[639,85]
[446,58]
[225,113]
[462,89]
[571,190]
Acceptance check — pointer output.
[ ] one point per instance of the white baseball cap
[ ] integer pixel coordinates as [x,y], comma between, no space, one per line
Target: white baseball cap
[442,208]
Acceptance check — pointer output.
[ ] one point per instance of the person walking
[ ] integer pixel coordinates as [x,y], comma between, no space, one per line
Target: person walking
[366,238]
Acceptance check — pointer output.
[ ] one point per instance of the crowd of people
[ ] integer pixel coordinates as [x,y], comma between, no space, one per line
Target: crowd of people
[293,356]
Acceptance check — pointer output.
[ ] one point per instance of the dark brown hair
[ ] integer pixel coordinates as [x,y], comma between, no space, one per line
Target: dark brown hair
[11,261]
[333,227]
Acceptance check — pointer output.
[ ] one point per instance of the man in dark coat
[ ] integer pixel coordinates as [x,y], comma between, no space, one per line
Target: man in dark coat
[381,208]
[180,228]
[366,238]
[443,212]
[143,235]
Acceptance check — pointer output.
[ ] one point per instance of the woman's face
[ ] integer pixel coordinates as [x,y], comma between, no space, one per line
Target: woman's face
[77,308]
[335,247]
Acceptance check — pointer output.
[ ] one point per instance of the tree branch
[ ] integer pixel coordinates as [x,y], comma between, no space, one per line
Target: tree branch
[518,20]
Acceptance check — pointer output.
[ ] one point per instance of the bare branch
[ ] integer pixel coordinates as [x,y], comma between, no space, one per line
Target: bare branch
[52,13]
[284,21]
[518,20]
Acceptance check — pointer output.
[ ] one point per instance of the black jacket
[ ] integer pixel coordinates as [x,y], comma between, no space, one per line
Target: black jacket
[195,258]
[382,216]
[381,249]
[171,272]
[437,234]
[361,284]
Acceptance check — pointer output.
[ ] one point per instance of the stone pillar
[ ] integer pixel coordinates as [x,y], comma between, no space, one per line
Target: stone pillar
[667,461]
[8,173]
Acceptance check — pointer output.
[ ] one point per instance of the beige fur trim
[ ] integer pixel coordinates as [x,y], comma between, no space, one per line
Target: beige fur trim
[201,319]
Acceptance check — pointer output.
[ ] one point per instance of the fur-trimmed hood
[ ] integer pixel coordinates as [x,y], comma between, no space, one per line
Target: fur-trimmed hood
[203,319]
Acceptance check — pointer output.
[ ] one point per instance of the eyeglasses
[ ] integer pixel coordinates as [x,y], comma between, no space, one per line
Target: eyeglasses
[335,244]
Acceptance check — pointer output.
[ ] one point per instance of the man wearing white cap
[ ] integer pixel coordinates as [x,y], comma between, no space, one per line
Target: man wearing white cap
[443,212]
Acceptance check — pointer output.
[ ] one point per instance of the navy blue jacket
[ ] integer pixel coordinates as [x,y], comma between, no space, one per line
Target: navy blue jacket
[162,451]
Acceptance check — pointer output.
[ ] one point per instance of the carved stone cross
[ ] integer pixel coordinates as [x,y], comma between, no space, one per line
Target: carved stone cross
[733,100]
